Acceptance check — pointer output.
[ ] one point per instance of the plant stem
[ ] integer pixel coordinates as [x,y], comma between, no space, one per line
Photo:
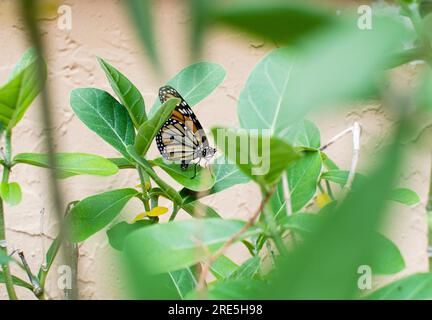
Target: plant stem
[6,171]
[176,209]
[143,177]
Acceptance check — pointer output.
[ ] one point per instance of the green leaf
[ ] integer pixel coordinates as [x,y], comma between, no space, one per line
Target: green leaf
[279,21]
[195,82]
[303,176]
[198,209]
[305,134]
[341,176]
[404,196]
[387,258]
[141,13]
[303,223]
[230,290]
[126,91]
[325,265]
[118,232]
[223,268]
[71,164]
[415,287]
[248,270]
[21,89]
[4,258]
[101,113]
[275,97]
[17,281]
[149,129]
[50,256]
[184,281]
[95,212]
[179,244]
[11,193]
[262,158]
[203,180]
[122,163]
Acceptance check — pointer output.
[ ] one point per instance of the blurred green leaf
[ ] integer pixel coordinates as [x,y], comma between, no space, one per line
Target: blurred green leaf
[101,113]
[118,232]
[141,12]
[11,193]
[341,176]
[230,290]
[303,223]
[95,212]
[126,91]
[387,258]
[223,267]
[423,94]
[279,21]
[248,270]
[4,258]
[194,82]
[21,89]
[404,196]
[262,158]
[325,265]
[203,180]
[149,129]
[303,176]
[71,164]
[179,244]
[415,287]
[275,97]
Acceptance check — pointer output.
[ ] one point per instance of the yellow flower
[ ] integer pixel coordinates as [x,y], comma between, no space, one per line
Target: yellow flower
[155,212]
[322,200]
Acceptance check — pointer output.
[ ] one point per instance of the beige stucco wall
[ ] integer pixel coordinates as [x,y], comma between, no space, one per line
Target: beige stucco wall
[101,28]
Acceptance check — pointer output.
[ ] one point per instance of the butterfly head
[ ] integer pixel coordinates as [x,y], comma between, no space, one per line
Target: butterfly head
[167,92]
[208,152]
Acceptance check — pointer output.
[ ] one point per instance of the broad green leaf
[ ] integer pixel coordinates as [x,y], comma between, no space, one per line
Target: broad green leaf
[415,287]
[11,193]
[277,203]
[21,89]
[203,180]
[101,113]
[305,134]
[387,258]
[279,21]
[179,244]
[275,96]
[118,232]
[195,82]
[405,196]
[263,158]
[223,267]
[184,281]
[303,223]
[17,281]
[71,164]
[122,163]
[141,13]
[126,91]
[149,129]
[303,176]
[248,270]
[96,212]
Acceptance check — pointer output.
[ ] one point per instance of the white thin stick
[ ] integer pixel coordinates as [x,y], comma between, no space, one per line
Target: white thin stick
[337,137]
[356,131]
[287,194]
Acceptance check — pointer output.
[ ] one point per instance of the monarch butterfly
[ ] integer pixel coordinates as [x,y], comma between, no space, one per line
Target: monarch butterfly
[182,139]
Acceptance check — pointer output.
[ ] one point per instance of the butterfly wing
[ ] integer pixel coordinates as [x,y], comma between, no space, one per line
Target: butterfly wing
[184,114]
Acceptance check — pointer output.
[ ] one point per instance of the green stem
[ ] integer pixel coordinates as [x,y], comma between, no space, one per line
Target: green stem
[329,190]
[176,209]
[6,171]
[144,179]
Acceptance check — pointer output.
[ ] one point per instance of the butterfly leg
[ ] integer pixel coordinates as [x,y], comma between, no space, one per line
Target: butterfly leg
[184,165]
